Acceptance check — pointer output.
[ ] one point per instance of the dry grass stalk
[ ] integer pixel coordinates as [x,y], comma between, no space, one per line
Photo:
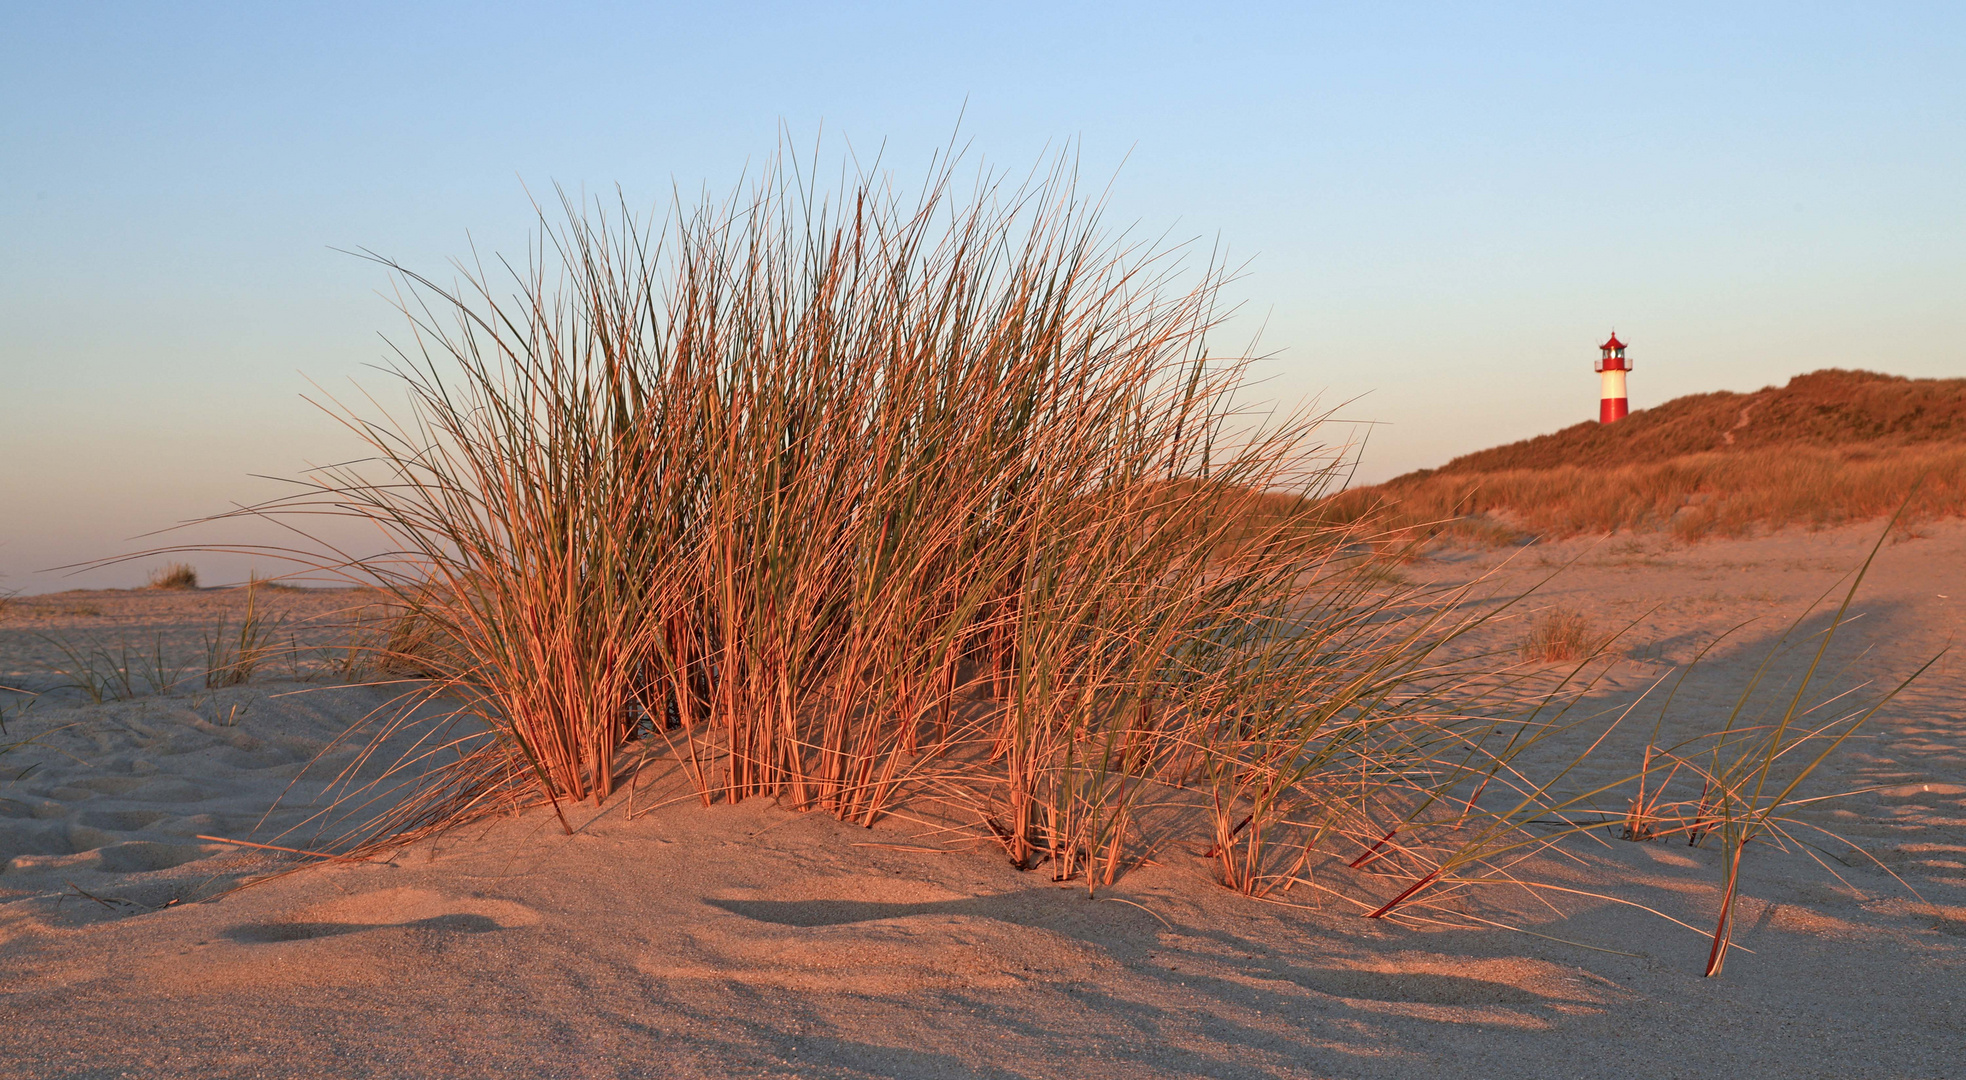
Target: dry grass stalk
[1646,816]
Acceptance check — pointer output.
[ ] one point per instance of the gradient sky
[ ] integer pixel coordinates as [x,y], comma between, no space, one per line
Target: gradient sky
[1444,208]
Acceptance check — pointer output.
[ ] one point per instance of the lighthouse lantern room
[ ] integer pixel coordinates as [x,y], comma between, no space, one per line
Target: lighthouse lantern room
[1612,365]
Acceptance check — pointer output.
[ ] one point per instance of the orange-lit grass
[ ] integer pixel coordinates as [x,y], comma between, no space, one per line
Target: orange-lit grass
[1693,496]
[1561,635]
[175,575]
[860,502]
[870,501]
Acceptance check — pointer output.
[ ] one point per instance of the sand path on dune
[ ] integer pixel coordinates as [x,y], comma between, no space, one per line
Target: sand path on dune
[751,941]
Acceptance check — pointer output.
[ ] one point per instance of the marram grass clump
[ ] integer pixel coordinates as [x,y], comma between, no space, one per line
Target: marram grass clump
[859,501]
[1563,635]
[175,575]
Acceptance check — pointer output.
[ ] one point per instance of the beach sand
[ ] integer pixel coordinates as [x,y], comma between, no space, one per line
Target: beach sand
[750,940]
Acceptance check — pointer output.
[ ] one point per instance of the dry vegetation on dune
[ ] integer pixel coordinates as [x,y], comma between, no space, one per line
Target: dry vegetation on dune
[862,504]
[176,575]
[1829,408]
[1830,447]
[1563,635]
[933,508]
[1697,495]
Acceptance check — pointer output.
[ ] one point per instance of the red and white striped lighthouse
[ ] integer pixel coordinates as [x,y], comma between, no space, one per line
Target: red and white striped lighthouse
[1611,368]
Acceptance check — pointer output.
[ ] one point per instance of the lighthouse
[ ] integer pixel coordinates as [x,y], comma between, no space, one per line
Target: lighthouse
[1611,368]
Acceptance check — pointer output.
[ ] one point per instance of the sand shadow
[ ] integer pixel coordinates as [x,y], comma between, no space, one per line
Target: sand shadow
[268,933]
[1254,960]
[1216,989]
[808,913]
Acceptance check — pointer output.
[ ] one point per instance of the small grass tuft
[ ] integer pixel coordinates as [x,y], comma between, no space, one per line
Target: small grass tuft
[1563,634]
[115,673]
[231,657]
[175,575]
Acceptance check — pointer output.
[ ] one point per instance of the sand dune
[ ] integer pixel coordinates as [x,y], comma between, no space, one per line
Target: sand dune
[751,941]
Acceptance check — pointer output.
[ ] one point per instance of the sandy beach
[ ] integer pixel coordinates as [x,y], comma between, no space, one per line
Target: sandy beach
[750,940]
[917,542]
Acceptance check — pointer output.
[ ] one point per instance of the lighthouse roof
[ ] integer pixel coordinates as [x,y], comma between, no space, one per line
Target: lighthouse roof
[1614,343]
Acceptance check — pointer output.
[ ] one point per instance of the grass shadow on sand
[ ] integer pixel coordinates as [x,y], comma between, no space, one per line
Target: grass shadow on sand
[269,932]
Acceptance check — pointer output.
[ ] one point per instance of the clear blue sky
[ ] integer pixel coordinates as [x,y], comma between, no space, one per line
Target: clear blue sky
[1446,207]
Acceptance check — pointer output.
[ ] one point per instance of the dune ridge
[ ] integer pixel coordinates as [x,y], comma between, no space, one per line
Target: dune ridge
[1829,447]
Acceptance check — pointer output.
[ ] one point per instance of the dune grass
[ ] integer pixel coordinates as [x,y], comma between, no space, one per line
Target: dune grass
[863,503]
[1750,774]
[1830,409]
[1690,497]
[234,654]
[854,501]
[1829,447]
[103,672]
[1561,635]
[175,575]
